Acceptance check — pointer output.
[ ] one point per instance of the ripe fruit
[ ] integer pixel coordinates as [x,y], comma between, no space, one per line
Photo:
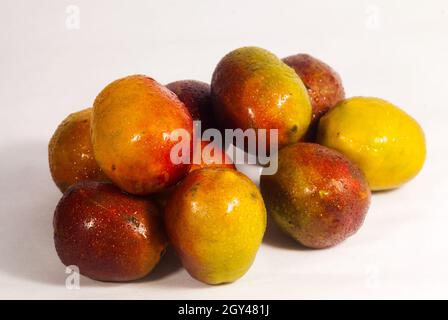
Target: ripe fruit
[109,235]
[132,121]
[196,97]
[324,85]
[216,219]
[317,196]
[70,152]
[386,143]
[252,88]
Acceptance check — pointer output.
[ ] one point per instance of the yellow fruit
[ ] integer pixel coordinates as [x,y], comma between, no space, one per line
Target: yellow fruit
[215,220]
[386,143]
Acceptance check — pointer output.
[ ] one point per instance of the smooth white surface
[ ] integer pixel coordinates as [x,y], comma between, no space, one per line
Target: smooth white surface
[48,71]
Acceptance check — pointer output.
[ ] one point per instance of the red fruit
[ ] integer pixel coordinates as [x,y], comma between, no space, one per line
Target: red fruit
[317,196]
[108,234]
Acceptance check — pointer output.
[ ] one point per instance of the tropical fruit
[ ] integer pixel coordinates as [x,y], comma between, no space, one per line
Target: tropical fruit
[133,119]
[317,196]
[324,86]
[253,89]
[108,234]
[215,219]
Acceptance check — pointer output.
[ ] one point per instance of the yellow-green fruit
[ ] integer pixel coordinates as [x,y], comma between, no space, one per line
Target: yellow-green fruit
[387,144]
[252,88]
[216,219]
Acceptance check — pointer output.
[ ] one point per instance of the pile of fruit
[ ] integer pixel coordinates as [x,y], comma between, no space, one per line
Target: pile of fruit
[125,200]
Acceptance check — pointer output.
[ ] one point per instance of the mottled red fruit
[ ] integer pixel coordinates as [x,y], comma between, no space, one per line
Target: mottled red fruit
[108,234]
[317,196]
[324,86]
[196,97]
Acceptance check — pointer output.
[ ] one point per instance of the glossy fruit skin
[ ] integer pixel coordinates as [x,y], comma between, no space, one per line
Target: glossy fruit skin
[317,196]
[196,97]
[131,125]
[387,144]
[252,88]
[324,86]
[216,220]
[70,152]
[108,234]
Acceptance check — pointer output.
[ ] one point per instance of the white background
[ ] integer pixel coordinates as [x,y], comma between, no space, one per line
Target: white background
[395,50]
